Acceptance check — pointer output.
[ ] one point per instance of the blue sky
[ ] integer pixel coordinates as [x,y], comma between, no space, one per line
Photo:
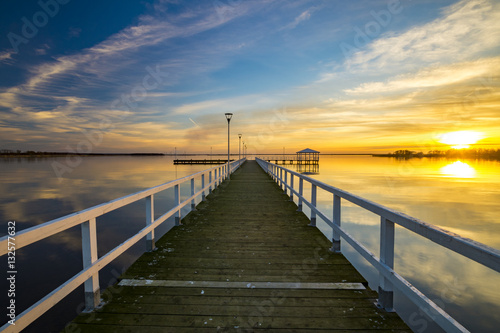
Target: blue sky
[148,76]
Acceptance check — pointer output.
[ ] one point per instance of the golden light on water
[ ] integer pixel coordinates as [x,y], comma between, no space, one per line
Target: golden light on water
[458,169]
[461,139]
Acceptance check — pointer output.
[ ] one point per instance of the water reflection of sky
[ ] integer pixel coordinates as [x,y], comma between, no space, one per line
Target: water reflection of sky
[31,194]
[460,196]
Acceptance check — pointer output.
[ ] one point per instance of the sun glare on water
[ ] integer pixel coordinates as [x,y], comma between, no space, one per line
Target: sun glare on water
[458,169]
[460,139]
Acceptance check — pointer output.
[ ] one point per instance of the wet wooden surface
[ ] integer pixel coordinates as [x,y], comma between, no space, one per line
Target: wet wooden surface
[224,262]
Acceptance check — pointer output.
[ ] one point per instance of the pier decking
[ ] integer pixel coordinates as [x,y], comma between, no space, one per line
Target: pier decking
[244,261]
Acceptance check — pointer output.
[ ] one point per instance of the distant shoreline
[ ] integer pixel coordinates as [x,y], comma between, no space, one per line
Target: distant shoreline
[483,154]
[64,154]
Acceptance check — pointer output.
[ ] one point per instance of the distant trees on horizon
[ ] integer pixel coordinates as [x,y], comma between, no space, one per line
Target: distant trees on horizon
[470,153]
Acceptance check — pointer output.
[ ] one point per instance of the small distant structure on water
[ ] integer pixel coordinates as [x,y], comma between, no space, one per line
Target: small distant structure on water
[308,157]
[306,161]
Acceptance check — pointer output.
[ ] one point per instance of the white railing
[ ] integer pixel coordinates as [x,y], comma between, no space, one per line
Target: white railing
[389,278]
[89,276]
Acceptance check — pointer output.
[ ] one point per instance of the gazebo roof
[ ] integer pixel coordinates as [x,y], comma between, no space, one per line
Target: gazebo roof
[307,150]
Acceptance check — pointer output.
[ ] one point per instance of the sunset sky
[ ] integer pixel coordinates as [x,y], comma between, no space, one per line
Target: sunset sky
[336,76]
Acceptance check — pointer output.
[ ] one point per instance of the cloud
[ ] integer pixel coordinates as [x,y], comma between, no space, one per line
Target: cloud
[232,104]
[5,56]
[306,15]
[467,29]
[152,30]
[42,50]
[432,77]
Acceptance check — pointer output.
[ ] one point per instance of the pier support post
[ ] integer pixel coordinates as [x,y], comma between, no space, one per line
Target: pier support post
[193,203]
[89,253]
[177,199]
[150,217]
[301,193]
[336,220]
[203,187]
[385,290]
[313,203]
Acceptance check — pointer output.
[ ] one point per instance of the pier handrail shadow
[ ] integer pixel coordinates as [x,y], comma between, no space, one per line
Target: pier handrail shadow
[89,276]
[389,278]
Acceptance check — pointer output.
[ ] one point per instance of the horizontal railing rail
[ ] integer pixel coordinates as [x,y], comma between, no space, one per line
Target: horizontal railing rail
[480,253]
[89,276]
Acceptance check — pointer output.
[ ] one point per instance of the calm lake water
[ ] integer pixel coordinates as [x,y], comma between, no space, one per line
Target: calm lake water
[460,196]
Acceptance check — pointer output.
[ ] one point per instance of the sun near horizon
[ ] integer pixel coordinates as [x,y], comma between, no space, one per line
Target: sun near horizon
[461,139]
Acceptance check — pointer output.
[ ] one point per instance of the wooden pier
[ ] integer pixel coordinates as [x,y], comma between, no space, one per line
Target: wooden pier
[244,261]
[291,161]
[204,161]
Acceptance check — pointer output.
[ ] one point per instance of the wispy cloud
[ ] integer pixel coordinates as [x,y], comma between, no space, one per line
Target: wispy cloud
[304,16]
[432,77]
[465,29]
[5,56]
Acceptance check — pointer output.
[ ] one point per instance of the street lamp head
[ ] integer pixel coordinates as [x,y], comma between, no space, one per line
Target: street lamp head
[228,116]
[239,135]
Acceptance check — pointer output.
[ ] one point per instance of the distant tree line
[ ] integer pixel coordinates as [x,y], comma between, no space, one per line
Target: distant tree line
[471,153]
[32,153]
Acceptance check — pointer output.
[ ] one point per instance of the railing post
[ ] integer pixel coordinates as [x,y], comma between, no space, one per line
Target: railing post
[177,199]
[281,178]
[215,178]
[286,182]
[210,182]
[301,193]
[150,217]
[385,290]
[203,187]
[336,220]
[291,186]
[89,254]
[313,203]
[193,203]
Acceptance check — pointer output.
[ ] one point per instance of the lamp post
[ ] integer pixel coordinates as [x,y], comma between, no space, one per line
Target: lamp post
[228,117]
[239,147]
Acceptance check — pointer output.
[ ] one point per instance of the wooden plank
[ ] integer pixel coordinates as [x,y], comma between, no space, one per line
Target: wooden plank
[243,284]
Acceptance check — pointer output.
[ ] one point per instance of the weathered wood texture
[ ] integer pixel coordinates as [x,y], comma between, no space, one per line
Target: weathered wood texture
[246,231]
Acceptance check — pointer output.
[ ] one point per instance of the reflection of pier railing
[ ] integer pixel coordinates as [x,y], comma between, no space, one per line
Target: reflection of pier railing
[384,264]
